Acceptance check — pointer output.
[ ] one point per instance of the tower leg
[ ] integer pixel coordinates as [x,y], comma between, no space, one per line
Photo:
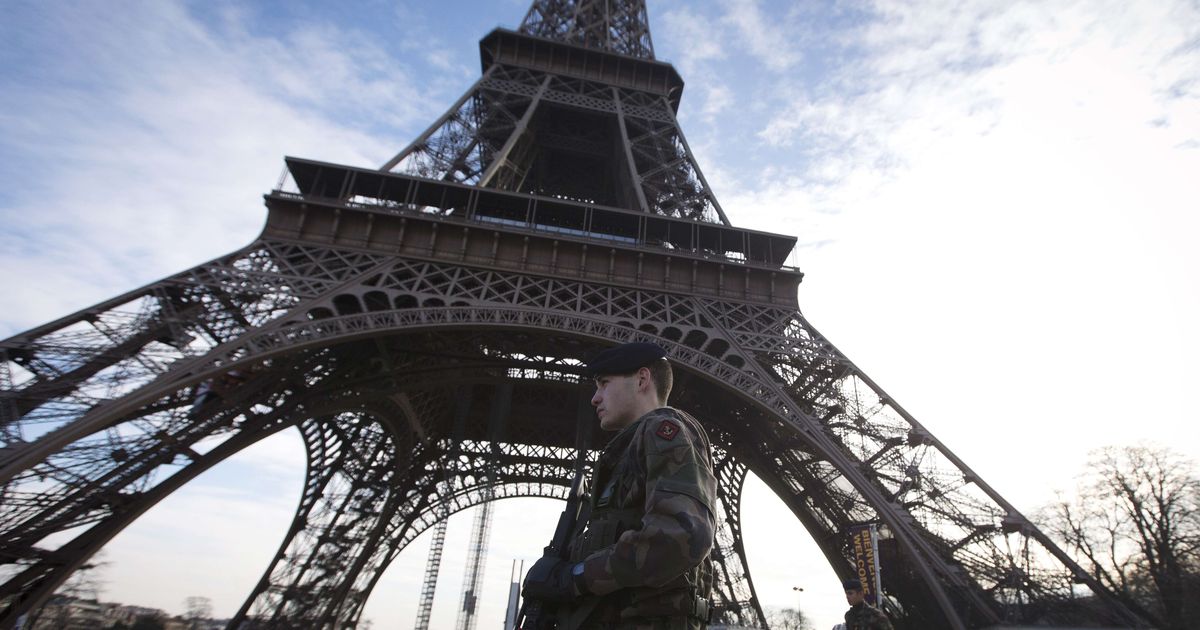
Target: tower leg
[40,573]
[735,602]
[357,471]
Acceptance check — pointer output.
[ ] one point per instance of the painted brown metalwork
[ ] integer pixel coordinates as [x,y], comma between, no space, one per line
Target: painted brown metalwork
[554,210]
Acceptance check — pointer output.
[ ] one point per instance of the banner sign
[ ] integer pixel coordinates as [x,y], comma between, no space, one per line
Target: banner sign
[864,540]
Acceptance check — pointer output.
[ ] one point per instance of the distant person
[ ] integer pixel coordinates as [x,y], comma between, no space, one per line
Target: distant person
[202,394]
[213,389]
[862,616]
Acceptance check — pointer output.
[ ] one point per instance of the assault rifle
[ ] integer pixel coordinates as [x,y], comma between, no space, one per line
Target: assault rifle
[534,614]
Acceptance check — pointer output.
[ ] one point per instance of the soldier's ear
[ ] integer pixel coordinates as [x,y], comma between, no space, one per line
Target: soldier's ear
[644,379]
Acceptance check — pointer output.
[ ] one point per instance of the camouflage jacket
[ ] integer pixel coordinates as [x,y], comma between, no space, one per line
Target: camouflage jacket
[646,541]
[866,617]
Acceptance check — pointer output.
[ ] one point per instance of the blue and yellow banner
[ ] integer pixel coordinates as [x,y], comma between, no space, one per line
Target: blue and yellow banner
[864,540]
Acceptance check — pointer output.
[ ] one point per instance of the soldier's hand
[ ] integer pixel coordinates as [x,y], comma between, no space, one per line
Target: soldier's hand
[549,580]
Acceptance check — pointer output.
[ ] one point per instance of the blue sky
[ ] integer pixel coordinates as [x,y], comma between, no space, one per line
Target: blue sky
[995,200]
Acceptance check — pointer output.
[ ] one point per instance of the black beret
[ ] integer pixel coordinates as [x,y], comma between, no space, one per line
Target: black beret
[852,585]
[624,359]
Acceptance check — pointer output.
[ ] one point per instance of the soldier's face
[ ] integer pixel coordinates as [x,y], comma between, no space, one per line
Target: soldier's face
[615,401]
[854,598]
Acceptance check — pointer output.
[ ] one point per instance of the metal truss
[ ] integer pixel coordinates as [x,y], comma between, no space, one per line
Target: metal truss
[373,368]
[734,600]
[423,327]
[537,131]
[618,26]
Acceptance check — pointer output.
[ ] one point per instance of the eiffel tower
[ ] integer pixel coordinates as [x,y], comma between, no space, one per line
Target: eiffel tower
[423,324]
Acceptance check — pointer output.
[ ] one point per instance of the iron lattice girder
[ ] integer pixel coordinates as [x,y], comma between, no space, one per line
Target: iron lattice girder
[32,573]
[455,476]
[569,62]
[480,132]
[809,369]
[370,291]
[821,379]
[490,470]
[734,601]
[368,209]
[767,354]
[201,308]
[619,26]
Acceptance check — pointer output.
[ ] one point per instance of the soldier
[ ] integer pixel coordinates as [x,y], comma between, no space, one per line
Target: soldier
[862,616]
[641,558]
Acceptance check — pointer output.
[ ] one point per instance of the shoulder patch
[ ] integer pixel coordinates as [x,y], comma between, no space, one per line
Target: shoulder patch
[667,430]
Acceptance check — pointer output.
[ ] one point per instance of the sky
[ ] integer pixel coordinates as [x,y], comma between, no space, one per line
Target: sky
[995,203]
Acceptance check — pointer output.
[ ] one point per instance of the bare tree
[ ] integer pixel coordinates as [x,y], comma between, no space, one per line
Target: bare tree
[788,619]
[85,583]
[199,609]
[1135,525]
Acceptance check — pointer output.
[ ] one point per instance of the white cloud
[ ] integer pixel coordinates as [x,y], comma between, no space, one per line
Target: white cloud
[997,201]
[717,98]
[969,71]
[157,165]
[697,38]
[1015,194]
[764,38]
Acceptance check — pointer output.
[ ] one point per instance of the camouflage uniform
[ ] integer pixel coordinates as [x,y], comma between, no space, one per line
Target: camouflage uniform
[647,538]
[866,617]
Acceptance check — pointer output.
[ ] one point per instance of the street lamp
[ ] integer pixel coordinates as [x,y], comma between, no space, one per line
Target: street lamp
[798,589]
